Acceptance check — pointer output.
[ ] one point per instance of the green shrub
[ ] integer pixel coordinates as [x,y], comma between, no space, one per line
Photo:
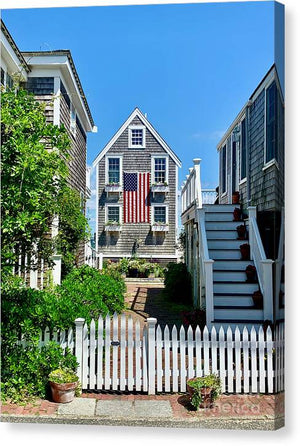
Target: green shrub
[209,381]
[62,376]
[178,283]
[25,370]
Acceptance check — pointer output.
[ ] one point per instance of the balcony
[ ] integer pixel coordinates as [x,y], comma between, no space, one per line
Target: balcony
[160,227]
[113,226]
[113,188]
[160,188]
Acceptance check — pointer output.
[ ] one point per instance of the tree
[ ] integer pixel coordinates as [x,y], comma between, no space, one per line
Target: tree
[34,182]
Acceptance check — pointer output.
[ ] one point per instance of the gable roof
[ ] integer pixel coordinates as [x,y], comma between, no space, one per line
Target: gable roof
[139,114]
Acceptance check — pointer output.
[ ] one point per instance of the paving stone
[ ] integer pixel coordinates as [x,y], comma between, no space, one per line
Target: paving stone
[116,409]
[152,409]
[79,406]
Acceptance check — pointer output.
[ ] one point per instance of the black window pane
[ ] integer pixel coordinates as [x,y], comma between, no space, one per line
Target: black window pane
[223,169]
[160,214]
[113,213]
[271,123]
[243,149]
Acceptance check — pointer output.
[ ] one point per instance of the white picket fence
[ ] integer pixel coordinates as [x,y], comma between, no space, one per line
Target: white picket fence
[118,354]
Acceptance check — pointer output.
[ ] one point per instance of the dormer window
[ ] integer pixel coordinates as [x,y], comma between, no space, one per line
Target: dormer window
[137,134]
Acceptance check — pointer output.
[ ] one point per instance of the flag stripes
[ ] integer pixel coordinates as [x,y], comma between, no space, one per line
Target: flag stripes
[136,197]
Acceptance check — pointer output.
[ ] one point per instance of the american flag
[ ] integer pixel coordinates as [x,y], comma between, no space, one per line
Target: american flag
[136,197]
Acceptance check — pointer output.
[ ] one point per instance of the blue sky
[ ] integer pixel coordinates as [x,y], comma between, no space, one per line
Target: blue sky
[190,67]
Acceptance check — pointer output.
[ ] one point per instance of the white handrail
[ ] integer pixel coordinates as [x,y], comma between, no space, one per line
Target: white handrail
[279,263]
[262,264]
[191,188]
[206,269]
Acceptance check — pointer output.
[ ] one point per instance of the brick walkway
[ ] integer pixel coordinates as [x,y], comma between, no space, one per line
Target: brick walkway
[145,300]
[228,406]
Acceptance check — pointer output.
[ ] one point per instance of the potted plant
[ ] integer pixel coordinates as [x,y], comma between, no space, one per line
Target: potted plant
[245,251]
[258,299]
[204,390]
[63,383]
[235,197]
[241,230]
[251,273]
[237,214]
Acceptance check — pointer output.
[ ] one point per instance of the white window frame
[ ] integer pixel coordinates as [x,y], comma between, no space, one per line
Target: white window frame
[120,157]
[153,158]
[159,205]
[272,161]
[242,180]
[113,205]
[136,127]
[226,170]
[72,121]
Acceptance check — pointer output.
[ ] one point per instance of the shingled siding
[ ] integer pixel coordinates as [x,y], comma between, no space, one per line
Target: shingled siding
[137,160]
[77,162]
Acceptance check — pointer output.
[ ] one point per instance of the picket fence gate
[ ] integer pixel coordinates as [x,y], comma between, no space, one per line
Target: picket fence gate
[116,353]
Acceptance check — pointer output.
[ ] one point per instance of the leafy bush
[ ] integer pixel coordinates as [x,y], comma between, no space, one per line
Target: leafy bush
[62,376]
[178,283]
[135,267]
[25,370]
[209,381]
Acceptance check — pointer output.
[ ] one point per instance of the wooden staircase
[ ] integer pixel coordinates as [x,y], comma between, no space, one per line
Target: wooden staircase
[232,294]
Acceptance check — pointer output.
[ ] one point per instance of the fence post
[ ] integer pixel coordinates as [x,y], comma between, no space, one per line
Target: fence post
[100,260]
[151,322]
[78,345]
[209,292]
[268,289]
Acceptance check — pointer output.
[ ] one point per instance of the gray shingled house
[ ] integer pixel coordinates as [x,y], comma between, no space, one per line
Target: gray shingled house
[137,184]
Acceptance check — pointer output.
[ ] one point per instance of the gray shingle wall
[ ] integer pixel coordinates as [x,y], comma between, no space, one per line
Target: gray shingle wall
[137,160]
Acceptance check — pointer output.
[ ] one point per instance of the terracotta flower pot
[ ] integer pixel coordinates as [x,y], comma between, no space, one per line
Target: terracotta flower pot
[241,230]
[258,299]
[235,197]
[245,251]
[206,396]
[251,273]
[63,393]
[237,214]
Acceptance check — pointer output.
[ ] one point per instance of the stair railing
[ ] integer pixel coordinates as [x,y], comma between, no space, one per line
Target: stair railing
[278,264]
[206,268]
[262,264]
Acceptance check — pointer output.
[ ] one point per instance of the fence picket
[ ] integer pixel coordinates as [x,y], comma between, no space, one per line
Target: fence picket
[167,371]
[174,360]
[70,340]
[130,354]
[123,353]
[277,359]
[222,358]
[206,350]
[238,371]
[182,349]
[100,345]
[245,346]
[115,352]
[191,372]
[62,340]
[85,355]
[138,355]
[214,346]
[159,371]
[198,352]
[254,373]
[55,335]
[47,335]
[269,360]
[229,360]
[281,332]
[145,360]
[92,355]
[107,353]
[261,350]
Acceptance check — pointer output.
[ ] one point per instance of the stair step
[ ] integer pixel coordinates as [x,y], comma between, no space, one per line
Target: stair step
[235,287]
[239,314]
[220,207]
[225,254]
[217,234]
[231,264]
[222,225]
[225,244]
[229,276]
[219,216]
[231,301]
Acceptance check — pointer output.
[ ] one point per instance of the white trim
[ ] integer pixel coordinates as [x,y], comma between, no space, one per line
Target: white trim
[226,170]
[272,162]
[244,180]
[139,114]
[240,151]
[113,205]
[97,207]
[136,127]
[12,62]
[56,102]
[153,157]
[120,157]
[176,202]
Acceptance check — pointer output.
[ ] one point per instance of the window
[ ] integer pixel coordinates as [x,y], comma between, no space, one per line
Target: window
[113,214]
[113,170]
[137,137]
[160,170]
[73,119]
[271,123]
[9,81]
[40,85]
[160,214]
[2,77]
[223,169]
[243,149]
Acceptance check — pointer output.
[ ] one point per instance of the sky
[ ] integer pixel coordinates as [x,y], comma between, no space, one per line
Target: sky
[190,67]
